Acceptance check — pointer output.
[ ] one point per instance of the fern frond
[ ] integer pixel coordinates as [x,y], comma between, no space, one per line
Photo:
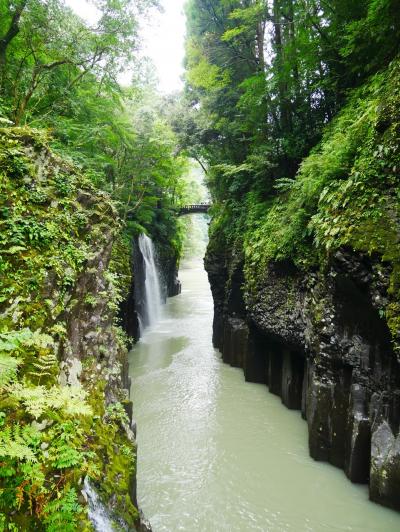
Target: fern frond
[45,365]
[13,340]
[39,399]
[284,184]
[8,368]
[15,443]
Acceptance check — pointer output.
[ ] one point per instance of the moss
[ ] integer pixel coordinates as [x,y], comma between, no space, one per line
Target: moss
[346,195]
[115,461]
[52,223]
[393,309]
[121,261]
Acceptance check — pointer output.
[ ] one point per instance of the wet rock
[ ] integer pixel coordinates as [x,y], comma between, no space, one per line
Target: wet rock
[359,436]
[144,525]
[319,408]
[131,305]
[385,466]
[274,371]
[292,379]
[235,342]
[255,361]
[168,262]
[319,341]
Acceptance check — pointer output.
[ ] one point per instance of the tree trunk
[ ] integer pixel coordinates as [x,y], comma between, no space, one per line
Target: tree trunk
[6,39]
[260,45]
[284,102]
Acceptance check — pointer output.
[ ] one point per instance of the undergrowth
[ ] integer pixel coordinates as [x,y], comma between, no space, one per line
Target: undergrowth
[53,434]
[346,194]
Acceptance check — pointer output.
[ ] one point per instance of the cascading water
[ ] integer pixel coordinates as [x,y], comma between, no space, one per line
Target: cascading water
[97,512]
[153,300]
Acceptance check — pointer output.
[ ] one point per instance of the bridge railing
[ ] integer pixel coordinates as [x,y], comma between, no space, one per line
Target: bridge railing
[195,207]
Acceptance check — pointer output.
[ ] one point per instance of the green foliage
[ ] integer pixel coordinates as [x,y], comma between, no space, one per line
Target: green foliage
[29,453]
[203,74]
[61,513]
[287,67]
[18,443]
[47,430]
[50,52]
[116,412]
[18,341]
[8,368]
[378,31]
[285,231]
[39,400]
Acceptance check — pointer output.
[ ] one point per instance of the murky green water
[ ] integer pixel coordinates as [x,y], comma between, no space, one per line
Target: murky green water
[218,454]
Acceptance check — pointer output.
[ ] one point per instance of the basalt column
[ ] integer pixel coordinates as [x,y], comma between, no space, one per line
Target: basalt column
[319,341]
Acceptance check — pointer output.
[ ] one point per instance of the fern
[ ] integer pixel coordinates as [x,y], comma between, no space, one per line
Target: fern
[66,456]
[8,368]
[18,442]
[71,400]
[14,340]
[4,525]
[284,184]
[61,513]
[11,340]
[46,365]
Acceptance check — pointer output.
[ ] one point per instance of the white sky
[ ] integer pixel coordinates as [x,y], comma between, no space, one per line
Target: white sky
[163,40]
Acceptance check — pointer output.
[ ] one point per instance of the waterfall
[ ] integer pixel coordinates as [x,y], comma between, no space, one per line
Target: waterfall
[97,512]
[152,290]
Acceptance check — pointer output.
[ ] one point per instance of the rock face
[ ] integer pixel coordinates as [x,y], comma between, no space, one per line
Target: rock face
[131,307]
[62,286]
[168,267]
[319,341]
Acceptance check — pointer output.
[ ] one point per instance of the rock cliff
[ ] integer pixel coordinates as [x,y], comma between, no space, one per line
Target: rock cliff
[306,291]
[66,413]
[319,342]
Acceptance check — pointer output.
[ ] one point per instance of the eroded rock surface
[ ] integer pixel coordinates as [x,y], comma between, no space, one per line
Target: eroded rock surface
[319,340]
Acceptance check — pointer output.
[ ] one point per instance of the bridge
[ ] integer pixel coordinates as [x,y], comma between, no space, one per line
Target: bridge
[194,209]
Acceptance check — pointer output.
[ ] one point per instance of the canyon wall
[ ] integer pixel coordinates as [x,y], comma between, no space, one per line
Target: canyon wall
[306,289]
[318,341]
[65,270]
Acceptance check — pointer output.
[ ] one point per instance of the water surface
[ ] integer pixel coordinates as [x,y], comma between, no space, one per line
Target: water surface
[218,454]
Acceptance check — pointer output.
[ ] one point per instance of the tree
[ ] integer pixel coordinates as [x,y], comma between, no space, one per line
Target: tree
[46,50]
[264,78]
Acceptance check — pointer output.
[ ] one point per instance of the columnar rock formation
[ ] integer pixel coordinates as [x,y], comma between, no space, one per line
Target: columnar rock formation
[319,342]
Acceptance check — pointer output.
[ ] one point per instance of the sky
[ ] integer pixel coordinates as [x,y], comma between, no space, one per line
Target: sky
[163,37]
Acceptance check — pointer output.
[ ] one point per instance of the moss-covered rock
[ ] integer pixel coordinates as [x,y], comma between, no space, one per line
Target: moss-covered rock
[320,289]
[64,268]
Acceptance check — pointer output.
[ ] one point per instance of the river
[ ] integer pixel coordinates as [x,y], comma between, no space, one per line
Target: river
[218,454]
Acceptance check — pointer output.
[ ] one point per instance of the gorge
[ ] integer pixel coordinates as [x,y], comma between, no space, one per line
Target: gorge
[257,381]
[218,453]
